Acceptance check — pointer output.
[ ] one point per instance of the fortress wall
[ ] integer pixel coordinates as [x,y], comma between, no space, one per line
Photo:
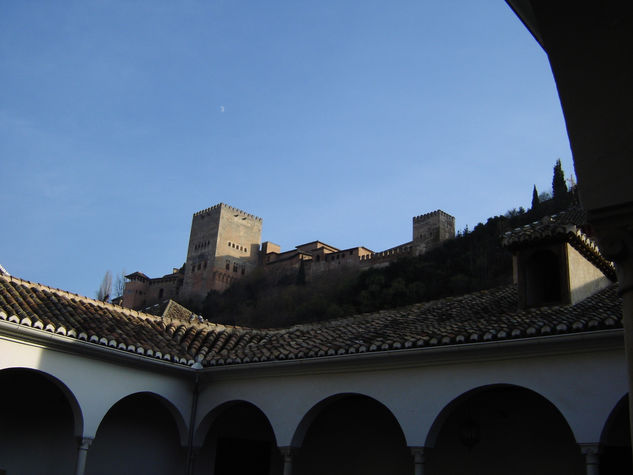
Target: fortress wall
[381,259]
[163,289]
[135,294]
[432,228]
[333,260]
[223,245]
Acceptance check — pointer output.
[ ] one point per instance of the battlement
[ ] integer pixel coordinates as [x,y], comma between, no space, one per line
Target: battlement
[219,206]
[225,245]
[388,254]
[432,214]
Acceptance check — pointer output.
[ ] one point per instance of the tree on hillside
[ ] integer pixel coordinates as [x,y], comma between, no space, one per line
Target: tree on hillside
[536,202]
[105,289]
[559,186]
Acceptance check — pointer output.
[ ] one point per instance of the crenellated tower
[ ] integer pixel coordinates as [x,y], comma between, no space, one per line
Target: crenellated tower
[223,246]
[432,228]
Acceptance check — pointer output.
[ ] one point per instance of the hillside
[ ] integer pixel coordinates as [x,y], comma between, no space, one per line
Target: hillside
[473,260]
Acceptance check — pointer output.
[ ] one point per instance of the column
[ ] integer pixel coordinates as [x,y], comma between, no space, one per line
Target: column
[592,462]
[287,454]
[418,460]
[82,454]
[615,238]
[192,455]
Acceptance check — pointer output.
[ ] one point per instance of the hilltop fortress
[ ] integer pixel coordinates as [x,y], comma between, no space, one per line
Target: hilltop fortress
[225,245]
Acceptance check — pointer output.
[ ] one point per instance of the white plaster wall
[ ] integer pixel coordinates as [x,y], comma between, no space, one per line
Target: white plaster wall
[97,384]
[584,278]
[583,386]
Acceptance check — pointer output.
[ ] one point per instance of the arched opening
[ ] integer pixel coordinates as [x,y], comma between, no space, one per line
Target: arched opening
[39,418]
[351,434]
[616,441]
[138,435]
[239,440]
[502,429]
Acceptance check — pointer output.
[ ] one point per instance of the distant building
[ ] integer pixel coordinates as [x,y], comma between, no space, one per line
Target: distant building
[225,244]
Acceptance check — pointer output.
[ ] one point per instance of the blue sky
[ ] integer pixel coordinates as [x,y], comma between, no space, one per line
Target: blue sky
[331,120]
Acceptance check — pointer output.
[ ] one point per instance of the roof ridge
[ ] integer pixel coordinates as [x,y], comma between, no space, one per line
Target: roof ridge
[82,298]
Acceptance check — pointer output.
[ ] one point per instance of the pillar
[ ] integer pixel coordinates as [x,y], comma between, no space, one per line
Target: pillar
[82,454]
[592,462]
[418,460]
[616,244]
[287,454]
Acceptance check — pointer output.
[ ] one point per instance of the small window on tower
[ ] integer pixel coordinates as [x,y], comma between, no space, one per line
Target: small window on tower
[227,264]
[235,267]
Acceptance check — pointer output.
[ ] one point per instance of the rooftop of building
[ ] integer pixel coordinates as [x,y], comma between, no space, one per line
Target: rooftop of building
[567,226]
[233,209]
[179,335]
[173,333]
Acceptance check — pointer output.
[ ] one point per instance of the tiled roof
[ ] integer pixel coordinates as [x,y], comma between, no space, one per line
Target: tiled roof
[168,310]
[63,313]
[490,315]
[566,226]
[482,316]
[175,311]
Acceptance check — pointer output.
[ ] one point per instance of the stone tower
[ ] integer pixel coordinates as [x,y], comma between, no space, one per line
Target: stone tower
[432,228]
[223,246]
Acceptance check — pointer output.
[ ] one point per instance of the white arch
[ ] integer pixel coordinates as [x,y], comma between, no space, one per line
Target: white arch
[96,384]
[207,420]
[622,403]
[181,425]
[316,409]
[457,401]
[78,420]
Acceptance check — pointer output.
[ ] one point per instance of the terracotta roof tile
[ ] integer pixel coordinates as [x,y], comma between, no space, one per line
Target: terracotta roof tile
[479,317]
[566,226]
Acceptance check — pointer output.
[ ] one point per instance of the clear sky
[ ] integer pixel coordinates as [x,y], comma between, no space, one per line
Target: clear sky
[331,120]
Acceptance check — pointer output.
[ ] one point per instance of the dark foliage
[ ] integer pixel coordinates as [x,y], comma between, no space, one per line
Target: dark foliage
[559,187]
[473,260]
[536,202]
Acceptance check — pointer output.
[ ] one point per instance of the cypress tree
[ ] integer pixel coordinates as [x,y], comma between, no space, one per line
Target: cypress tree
[559,187]
[536,202]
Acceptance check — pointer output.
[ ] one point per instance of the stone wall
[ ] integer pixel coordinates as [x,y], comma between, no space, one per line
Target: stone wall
[223,245]
[432,228]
